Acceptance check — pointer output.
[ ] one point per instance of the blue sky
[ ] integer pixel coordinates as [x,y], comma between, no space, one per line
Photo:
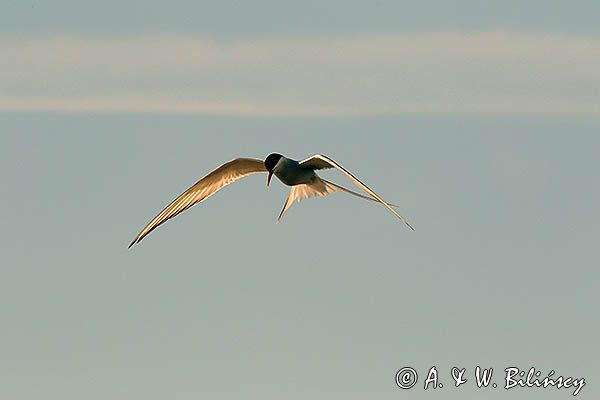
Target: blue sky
[236,18]
[480,119]
[502,269]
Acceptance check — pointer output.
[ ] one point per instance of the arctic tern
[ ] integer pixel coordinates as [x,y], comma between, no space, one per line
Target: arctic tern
[300,175]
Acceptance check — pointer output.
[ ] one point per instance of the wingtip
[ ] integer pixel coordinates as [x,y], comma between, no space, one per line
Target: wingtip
[408,224]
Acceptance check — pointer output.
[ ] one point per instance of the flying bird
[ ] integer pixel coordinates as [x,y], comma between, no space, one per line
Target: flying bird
[300,175]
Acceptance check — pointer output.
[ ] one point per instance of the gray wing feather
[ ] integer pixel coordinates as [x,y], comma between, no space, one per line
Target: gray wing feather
[319,161]
[207,186]
[343,189]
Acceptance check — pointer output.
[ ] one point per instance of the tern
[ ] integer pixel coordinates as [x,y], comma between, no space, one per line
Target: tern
[300,175]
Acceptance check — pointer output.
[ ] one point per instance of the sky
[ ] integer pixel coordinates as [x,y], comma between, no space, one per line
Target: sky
[306,59]
[479,119]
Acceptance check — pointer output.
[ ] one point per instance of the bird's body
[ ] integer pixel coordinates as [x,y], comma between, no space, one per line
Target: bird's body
[292,173]
[300,175]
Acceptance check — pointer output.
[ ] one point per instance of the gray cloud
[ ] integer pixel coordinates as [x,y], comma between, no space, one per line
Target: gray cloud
[484,73]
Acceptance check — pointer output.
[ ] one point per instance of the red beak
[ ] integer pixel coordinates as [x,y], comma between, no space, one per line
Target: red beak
[269,177]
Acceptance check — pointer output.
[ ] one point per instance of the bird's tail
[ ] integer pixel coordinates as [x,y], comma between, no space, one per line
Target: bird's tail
[322,187]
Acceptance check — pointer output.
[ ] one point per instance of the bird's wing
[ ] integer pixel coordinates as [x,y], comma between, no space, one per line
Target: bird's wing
[320,187]
[339,188]
[319,161]
[222,176]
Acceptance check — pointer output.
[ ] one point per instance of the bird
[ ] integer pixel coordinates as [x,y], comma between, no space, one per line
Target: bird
[300,175]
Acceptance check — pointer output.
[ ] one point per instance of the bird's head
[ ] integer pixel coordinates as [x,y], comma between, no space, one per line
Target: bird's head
[270,163]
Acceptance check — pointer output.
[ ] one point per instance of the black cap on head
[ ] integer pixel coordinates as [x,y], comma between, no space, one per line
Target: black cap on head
[271,160]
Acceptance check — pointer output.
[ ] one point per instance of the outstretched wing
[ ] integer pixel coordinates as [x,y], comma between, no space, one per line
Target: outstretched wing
[320,161]
[222,176]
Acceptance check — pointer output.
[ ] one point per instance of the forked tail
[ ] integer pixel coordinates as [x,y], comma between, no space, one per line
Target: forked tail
[322,187]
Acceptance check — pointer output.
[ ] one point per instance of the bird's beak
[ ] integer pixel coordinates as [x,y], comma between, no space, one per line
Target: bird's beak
[269,177]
